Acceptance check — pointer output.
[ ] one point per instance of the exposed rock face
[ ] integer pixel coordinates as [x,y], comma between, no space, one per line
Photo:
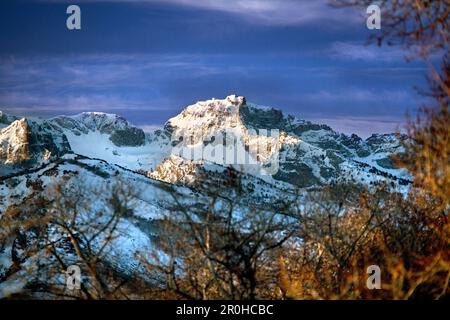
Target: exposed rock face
[175,170]
[128,137]
[262,119]
[14,143]
[44,140]
[121,132]
[27,143]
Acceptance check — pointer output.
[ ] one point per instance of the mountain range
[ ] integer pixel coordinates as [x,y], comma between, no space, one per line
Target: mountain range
[98,150]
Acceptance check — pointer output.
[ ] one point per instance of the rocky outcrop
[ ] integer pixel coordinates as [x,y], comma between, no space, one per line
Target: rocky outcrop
[27,143]
[14,143]
[175,170]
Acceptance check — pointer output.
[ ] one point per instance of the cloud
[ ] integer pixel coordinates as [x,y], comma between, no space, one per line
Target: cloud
[279,12]
[102,82]
[353,51]
[272,12]
[150,88]
[26,101]
[359,95]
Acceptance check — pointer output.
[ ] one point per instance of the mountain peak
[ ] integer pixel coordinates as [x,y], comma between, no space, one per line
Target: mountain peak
[209,115]
[227,104]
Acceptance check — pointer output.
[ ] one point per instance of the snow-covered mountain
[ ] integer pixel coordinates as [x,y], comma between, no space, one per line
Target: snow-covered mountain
[307,154]
[93,152]
[273,147]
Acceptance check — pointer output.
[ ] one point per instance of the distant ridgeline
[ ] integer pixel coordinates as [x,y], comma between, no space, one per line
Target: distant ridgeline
[304,154]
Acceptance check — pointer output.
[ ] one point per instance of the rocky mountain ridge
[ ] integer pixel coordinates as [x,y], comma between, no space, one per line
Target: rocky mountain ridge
[88,156]
[275,147]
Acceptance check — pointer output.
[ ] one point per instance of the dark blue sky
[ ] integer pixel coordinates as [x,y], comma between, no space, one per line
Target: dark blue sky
[146,60]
